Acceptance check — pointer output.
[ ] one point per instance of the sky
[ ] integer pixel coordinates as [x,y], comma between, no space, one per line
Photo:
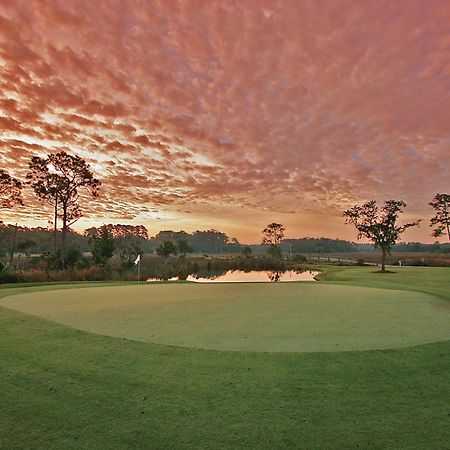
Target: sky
[231,114]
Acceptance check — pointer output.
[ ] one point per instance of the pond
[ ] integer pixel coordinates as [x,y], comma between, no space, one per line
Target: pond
[255,276]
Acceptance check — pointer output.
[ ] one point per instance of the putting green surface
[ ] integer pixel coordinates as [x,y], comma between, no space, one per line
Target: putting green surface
[297,317]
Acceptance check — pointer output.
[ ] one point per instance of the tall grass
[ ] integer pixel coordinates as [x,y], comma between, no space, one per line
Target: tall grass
[151,267]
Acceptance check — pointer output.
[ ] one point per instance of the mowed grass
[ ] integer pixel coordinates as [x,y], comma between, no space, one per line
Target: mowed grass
[63,388]
[248,317]
[430,280]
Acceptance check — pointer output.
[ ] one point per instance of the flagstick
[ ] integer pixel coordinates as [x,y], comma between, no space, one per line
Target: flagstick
[139,270]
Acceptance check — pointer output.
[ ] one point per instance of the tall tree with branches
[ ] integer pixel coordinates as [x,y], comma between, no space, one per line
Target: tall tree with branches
[59,179]
[10,195]
[379,224]
[46,187]
[273,235]
[441,221]
[10,190]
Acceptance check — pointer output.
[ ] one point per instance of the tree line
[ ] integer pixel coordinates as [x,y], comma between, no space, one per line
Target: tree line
[59,179]
[130,240]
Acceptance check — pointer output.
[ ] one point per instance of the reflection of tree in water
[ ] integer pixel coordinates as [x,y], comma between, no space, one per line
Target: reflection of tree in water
[274,277]
[209,274]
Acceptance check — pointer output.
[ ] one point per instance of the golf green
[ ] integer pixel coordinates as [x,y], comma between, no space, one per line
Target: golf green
[292,317]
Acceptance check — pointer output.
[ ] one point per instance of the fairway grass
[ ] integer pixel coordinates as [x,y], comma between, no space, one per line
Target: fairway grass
[62,388]
[300,317]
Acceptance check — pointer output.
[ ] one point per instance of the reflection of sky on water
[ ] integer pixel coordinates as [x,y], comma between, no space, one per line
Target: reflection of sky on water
[256,276]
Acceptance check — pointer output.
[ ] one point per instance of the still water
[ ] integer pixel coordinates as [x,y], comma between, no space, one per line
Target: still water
[255,276]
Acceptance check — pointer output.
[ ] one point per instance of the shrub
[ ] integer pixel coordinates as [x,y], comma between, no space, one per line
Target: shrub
[7,275]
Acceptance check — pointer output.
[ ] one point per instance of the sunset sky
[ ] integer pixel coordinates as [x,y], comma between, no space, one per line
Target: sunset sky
[231,114]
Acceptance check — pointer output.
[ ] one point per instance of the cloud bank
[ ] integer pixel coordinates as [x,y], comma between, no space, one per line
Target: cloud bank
[232,112]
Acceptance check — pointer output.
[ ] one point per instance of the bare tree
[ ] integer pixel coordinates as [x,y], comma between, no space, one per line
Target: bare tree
[441,221]
[58,179]
[378,225]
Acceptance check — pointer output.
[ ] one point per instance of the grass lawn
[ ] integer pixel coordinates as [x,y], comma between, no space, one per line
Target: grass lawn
[430,280]
[63,388]
[248,317]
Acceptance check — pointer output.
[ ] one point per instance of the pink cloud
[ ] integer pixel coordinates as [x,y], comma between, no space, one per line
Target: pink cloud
[279,106]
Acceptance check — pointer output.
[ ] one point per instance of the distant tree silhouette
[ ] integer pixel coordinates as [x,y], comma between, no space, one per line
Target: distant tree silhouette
[10,190]
[166,249]
[73,256]
[118,230]
[25,246]
[210,241]
[128,239]
[183,247]
[58,179]
[441,221]
[378,225]
[273,235]
[247,251]
[102,244]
